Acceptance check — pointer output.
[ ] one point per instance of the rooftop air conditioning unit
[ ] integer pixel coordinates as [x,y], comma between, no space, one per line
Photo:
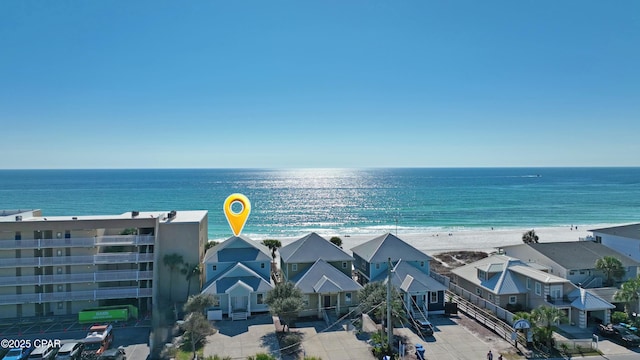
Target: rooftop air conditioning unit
[18,217]
[135,213]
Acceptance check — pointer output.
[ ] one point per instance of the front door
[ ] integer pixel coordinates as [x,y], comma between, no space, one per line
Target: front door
[239,303]
[327,301]
[414,300]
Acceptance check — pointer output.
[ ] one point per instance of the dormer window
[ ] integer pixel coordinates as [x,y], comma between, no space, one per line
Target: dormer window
[482,275]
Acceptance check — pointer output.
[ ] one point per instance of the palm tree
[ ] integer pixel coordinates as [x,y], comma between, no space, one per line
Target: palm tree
[611,266]
[629,293]
[530,237]
[190,272]
[172,261]
[548,317]
[273,245]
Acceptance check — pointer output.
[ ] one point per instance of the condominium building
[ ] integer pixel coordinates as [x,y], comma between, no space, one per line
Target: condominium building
[60,265]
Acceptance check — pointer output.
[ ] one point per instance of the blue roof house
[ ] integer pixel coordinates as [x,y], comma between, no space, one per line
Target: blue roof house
[237,274]
[410,273]
[322,271]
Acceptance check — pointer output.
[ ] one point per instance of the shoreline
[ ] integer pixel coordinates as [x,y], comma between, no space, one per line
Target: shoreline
[436,242]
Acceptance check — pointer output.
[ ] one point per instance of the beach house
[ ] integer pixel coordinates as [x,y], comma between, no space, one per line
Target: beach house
[573,260]
[237,274]
[513,284]
[409,272]
[624,239]
[322,271]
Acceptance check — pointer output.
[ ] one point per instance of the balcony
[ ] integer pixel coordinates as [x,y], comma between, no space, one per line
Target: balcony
[111,258]
[114,240]
[102,276]
[102,294]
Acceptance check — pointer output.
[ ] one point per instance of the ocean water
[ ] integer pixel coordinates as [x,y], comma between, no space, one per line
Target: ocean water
[289,203]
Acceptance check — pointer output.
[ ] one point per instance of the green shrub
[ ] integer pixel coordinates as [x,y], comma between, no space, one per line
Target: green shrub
[262,356]
[619,316]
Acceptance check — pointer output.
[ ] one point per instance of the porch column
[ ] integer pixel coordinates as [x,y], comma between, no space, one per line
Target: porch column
[338,306]
[582,323]
[607,316]
[319,306]
[229,304]
[249,304]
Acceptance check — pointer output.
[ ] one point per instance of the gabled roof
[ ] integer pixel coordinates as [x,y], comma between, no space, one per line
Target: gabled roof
[408,278]
[386,246]
[587,301]
[503,283]
[577,254]
[631,231]
[237,248]
[310,248]
[322,277]
[238,274]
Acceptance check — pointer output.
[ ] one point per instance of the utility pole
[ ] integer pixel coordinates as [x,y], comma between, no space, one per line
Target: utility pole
[389,322]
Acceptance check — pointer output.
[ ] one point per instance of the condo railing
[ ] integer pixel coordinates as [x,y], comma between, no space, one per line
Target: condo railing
[92,277]
[110,258]
[110,240]
[101,294]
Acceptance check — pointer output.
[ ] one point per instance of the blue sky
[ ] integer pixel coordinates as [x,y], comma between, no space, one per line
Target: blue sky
[185,84]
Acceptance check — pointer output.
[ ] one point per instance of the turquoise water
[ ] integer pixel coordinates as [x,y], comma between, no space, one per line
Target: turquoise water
[341,201]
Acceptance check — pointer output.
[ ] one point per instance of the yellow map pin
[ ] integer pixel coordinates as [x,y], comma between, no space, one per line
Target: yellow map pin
[237,220]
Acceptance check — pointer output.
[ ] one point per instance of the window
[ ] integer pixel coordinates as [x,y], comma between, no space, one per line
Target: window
[433,297]
[421,263]
[215,267]
[378,266]
[528,284]
[347,298]
[512,299]
[59,270]
[59,252]
[260,299]
[581,272]
[478,291]
[490,297]
[18,235]
[216,301]
[344,264]
[481,275]
[261,265]
[294,267]
[59,288]
[538,289]
[572,272]
[60,305]
[305,300]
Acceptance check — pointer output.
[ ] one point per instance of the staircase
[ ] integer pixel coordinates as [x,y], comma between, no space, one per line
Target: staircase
[418,313]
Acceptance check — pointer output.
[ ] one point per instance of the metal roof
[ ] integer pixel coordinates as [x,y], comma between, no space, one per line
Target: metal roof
[386,246]
[310,248]
[321,276]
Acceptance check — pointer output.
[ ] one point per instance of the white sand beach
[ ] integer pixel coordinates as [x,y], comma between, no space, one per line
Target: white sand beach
[472,240]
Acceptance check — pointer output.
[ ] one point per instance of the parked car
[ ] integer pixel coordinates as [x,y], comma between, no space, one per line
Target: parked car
[18,353]
[423,327]
[70,351]
[620,334]
[113,354]
[45,352]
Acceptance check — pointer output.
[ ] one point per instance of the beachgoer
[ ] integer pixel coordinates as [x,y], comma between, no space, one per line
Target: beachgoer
[489,355]
[500,357]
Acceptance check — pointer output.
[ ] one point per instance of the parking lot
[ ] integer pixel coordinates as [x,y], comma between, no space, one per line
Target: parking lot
[133,335]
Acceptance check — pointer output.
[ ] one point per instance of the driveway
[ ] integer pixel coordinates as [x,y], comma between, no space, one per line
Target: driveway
[239,339]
